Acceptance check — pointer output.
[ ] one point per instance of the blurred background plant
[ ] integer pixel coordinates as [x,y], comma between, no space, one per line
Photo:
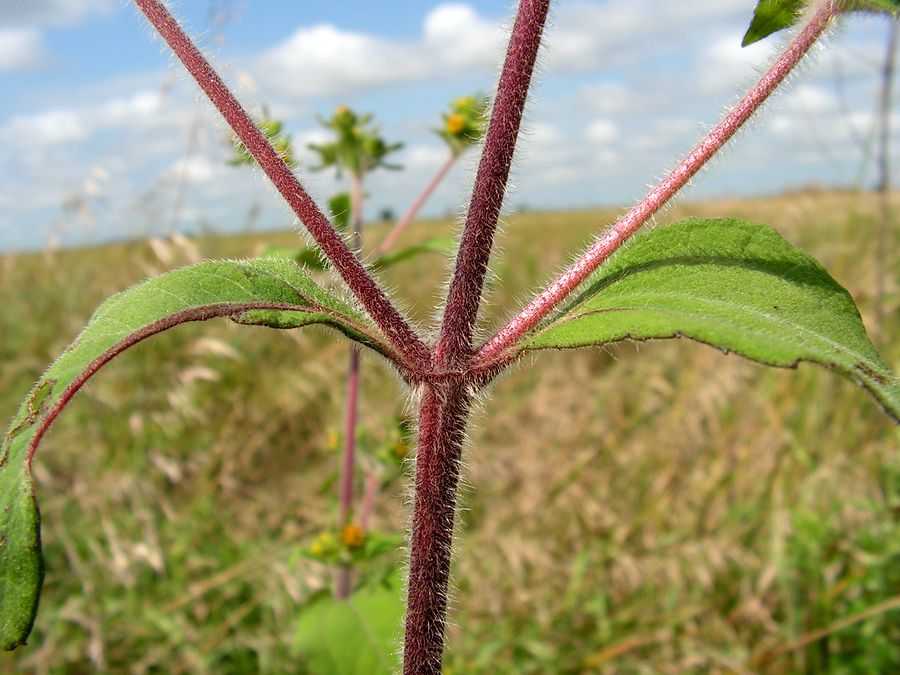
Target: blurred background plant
[366,607]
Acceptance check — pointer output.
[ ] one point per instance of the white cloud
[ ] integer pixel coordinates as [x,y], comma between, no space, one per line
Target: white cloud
[583,36]
[602,131]
[423,158]
[589,35]
[20,49]
[724,63]
[139,110]
[197,169]
[607,98]
[47,128]
[457,37]
[324,60]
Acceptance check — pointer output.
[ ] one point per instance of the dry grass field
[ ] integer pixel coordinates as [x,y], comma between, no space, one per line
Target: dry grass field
[647,508]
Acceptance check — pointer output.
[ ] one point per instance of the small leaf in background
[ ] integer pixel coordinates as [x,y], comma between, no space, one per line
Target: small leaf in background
[464,123]
[341,211]
[442,244]
[356,636]
[770,17]
[731,284]
[273,130]
[272,292]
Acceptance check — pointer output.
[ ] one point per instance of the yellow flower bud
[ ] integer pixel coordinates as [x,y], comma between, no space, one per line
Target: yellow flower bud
[455,123]
[353,535]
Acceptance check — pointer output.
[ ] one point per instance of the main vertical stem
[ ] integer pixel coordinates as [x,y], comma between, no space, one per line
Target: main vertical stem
[442,421]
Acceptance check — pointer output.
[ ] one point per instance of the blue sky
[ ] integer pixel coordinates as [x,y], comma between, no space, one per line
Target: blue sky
[103,137]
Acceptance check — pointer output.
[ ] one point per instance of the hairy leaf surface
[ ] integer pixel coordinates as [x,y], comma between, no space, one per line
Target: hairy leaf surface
[271,292]
[734,285]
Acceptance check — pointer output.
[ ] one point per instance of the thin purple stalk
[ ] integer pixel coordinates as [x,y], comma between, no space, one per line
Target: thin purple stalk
[442,421]
[572,277]
[461,310]
[385,315]
[344,577]
[408,217]
[370,493]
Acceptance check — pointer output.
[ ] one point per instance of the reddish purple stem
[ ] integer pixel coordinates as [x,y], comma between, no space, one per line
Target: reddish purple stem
[570,279]
[345,574]
[383,313]
[461,310]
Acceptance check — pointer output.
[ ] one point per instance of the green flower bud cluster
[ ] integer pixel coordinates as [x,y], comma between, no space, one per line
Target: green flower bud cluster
[358,146]
[464,122]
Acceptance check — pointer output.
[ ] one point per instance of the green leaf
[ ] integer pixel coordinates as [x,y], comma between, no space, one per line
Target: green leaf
[770,17]
[734,285]
[359,635]
[444,245]
[341,208]
[271,292]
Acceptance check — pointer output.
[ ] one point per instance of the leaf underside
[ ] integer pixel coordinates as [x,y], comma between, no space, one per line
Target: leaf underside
[269,292]
[771,16]
[735,285]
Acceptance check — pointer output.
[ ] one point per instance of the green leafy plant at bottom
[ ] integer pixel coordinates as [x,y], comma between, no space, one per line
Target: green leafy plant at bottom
[356,636]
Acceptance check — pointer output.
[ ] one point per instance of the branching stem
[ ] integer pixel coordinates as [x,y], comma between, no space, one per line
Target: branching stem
[570,279]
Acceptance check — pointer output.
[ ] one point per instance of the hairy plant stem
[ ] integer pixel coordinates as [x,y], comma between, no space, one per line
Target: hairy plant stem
[454,345]
[572,277]
[344,575]
[408,217]
[385,315]
[442,421]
